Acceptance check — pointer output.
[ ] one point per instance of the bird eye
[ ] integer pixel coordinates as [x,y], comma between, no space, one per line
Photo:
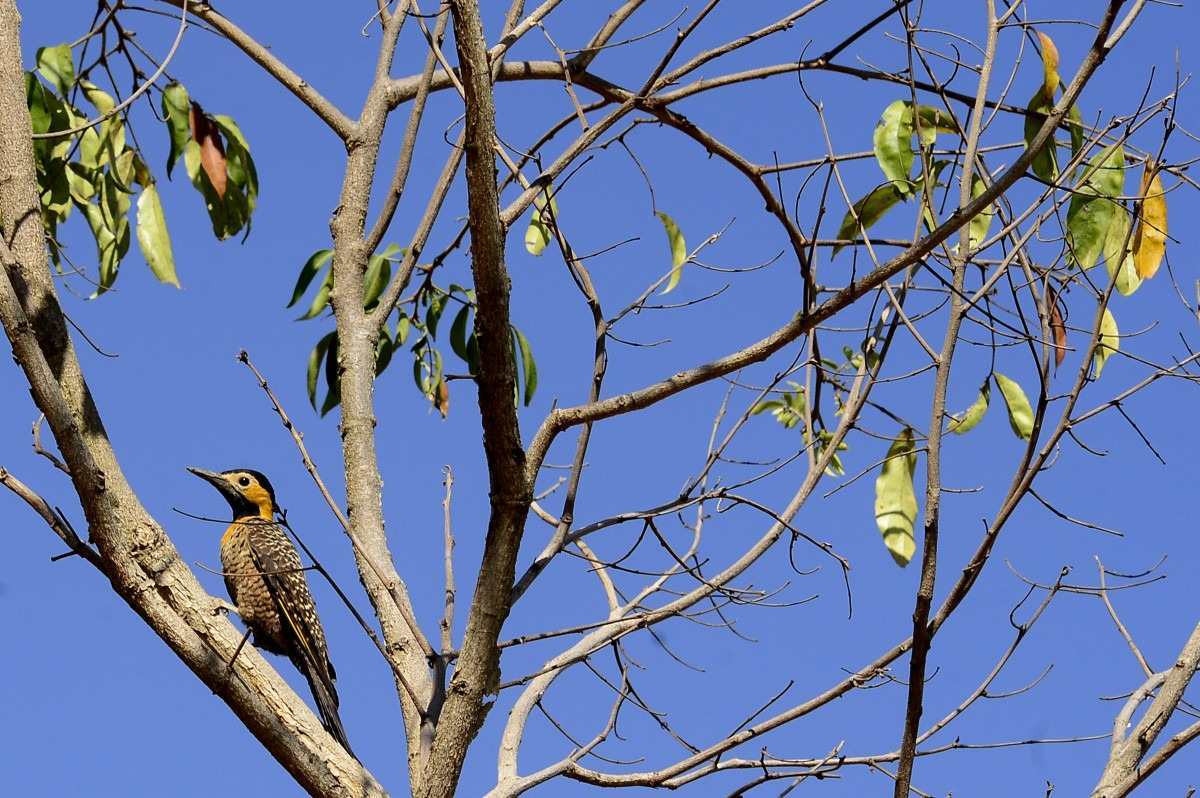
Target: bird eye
[244,481]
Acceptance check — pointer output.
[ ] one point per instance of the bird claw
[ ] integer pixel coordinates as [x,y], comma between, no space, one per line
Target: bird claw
[222,606]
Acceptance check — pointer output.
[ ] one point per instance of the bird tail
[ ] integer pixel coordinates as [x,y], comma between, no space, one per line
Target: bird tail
[326,698]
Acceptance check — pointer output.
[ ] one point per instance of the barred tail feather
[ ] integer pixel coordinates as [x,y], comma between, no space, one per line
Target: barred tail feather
[326,698]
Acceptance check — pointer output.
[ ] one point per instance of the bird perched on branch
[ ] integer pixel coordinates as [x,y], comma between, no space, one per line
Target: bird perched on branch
[266,581]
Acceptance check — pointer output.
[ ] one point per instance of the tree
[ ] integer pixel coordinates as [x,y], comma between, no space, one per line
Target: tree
[995,210]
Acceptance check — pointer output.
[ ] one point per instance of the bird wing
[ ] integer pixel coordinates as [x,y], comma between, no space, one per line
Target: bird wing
[277,561]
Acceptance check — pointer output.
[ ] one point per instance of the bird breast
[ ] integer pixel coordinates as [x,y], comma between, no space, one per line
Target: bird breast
[249,590]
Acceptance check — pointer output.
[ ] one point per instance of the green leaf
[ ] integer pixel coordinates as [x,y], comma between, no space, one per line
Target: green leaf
[56,191]
[35,100]
[384,349]
[528,365]
[314,366]
[101,100]
[893,144]
[1020,413]
[867,211]
[176,105]
[379,272]
[56,66]
[1092,208]
[402,326]
[981,223]
[967,421]
[458,332]
[678,250]
[1118,253]
[321,299]
[242,171]
[153,237]
[308,272]
[934,120]
[538,235]
[437,305]
[80,184]
[895,499]
[333,392]
[1044,163]
[1108,343]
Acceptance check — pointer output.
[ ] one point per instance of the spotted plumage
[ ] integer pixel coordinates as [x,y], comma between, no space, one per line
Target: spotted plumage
[266,580]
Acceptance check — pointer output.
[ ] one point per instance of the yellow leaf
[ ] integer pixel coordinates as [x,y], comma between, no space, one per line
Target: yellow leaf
[1109,341]
[1150,235]
[1049,65]
[678,250]
[895,500]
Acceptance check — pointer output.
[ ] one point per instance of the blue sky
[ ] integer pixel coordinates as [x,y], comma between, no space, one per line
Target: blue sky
[96,705]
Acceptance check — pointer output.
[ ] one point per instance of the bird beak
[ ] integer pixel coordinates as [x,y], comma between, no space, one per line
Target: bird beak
[218,481]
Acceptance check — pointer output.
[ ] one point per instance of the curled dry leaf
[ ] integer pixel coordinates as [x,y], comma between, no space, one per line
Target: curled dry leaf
[212,151]
[1058,327]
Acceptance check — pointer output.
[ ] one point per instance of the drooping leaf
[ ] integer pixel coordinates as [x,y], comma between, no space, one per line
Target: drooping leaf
[308,271]
[212,150]
[57,67]
[1150,235]
[1092,208]
[153,237]
[1108,343]
[1118,253]
[384,349]
[379,272]
[333,389]
[893,144]
[315,358]
[1045,162]
[968,420]
[458,331]
[321,300]
[240,165]
[895,499]
[1058,327]
[933,120]
[1020,412]
[80,184]
[538,235]
[1050,79]
[981,222]
[176,109]
[866,212]
[528,365]
[678,250]
[441,397]
[101,100]
[437,305]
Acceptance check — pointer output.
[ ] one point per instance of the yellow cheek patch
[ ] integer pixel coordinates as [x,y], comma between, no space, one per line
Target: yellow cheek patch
[258,495]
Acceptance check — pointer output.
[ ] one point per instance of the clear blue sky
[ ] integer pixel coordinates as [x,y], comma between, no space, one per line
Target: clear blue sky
[95,704]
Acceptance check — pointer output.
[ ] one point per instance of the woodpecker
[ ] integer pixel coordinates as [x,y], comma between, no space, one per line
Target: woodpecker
[265,579]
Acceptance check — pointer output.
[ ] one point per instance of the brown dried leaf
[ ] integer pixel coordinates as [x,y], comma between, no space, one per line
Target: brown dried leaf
[1058,327]
[212,151]
[441,398]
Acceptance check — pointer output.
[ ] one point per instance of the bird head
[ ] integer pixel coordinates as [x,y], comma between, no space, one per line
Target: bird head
[248,492]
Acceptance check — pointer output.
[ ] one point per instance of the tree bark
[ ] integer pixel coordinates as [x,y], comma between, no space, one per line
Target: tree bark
[137,557]
[477,671]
